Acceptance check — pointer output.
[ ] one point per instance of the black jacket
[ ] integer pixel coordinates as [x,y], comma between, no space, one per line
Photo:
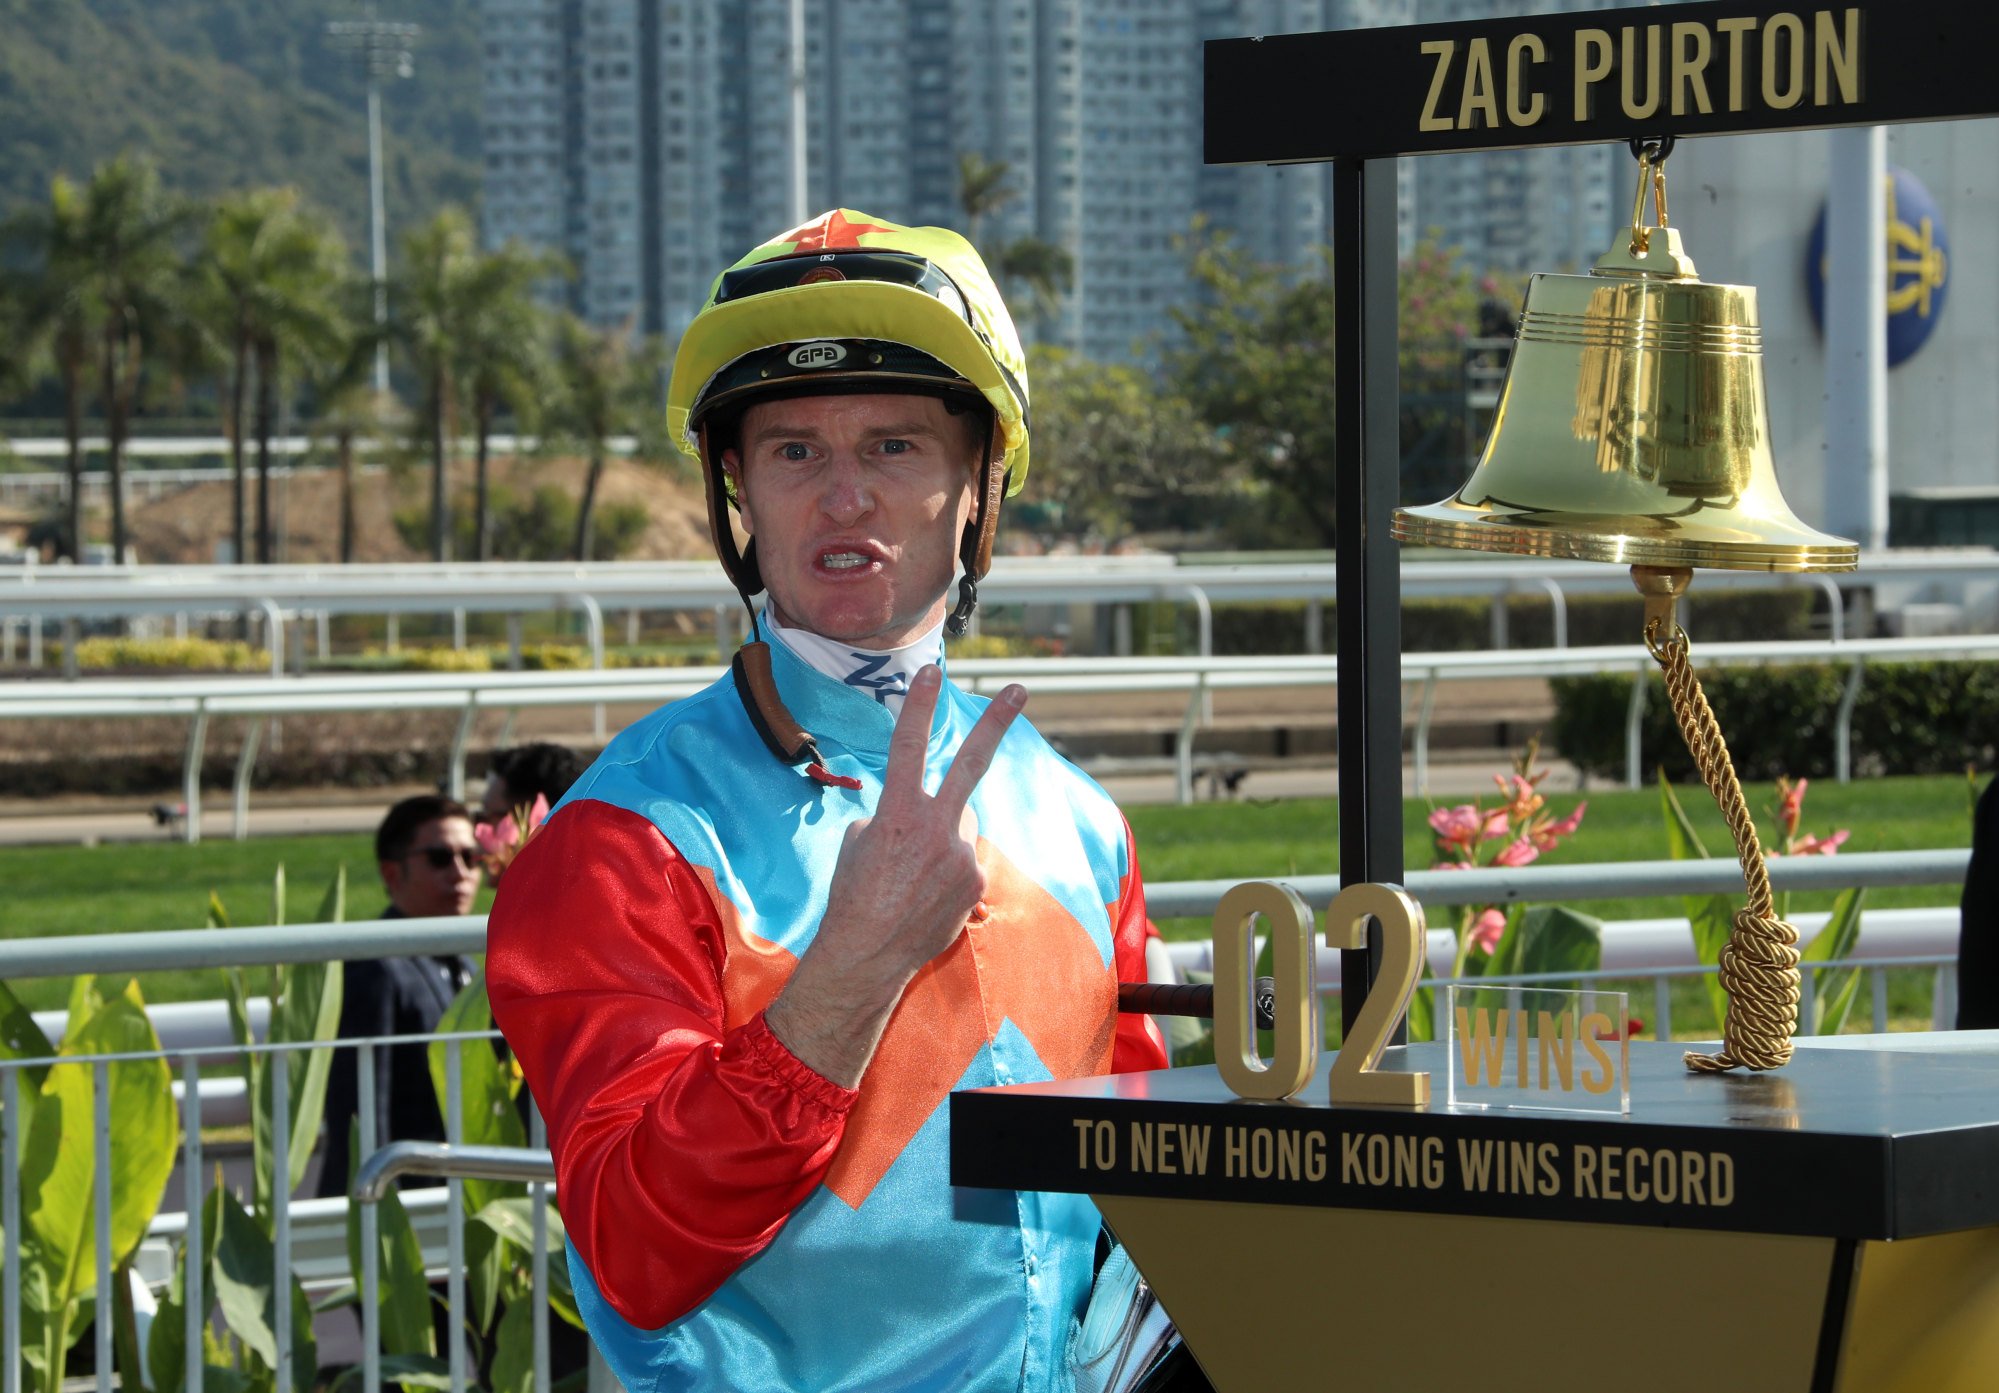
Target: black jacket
[1978,938]
[387,996]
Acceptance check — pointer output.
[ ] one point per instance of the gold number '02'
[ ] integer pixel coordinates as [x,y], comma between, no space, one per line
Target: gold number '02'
[1288,919]
[1296,1050]
[1354,1078]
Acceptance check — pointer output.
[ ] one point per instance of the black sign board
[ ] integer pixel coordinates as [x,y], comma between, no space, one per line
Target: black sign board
[1845,1143]
[1606,75]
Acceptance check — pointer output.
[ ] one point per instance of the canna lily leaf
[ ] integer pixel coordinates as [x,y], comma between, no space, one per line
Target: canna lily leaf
[403,1294]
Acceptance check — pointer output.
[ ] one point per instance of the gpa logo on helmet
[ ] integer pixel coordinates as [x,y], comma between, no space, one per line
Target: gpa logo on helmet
[816,355]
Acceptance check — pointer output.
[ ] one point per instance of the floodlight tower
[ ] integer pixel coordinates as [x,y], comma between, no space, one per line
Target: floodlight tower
[385,49]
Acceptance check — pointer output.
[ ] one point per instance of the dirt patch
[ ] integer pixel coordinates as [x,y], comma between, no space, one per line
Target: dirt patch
[188,525]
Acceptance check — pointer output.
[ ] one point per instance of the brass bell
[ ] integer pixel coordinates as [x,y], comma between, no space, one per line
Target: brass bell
[1633,428]
[1633,425]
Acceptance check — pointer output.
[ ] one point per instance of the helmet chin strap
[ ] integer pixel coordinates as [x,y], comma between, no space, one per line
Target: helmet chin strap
[975,547]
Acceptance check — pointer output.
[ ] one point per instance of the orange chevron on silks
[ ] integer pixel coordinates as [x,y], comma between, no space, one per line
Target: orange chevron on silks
[1062,997]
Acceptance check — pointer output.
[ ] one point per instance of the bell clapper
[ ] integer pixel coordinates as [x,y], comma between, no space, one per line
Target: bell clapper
[1759,964]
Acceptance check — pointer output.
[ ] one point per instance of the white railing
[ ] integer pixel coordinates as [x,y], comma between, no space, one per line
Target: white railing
[31,594]
[1653,950]
[198,700]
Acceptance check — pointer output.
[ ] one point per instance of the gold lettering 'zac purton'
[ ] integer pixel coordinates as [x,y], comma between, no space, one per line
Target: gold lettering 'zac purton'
[1643,71]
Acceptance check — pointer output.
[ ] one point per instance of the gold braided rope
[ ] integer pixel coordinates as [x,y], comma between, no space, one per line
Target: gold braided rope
[1759,964]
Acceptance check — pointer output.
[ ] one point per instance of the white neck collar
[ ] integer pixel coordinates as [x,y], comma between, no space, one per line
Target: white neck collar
[883,674]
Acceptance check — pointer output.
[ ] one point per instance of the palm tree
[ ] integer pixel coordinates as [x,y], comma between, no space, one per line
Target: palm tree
[503,358]
[429,318]
[608,383]
[56,313]
[131,234]
[345,404]
[982,190]
[270,288]
[1045,268]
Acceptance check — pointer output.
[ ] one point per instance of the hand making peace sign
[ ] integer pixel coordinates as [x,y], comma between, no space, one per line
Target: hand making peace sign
[907,880]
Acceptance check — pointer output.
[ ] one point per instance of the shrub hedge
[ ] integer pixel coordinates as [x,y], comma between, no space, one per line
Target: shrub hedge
[1461,625]
[1911,718]
[164,654]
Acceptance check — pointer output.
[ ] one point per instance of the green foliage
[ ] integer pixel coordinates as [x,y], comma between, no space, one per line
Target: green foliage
[1256,362]
[606,382]
[438,659]
[1712,918]
[229,93]
[305,1007]
[1911,718]
[275,297]
[1463,625]
[248,1286]
[59,1168]
[166,654]
[1117,453]
[403,1293]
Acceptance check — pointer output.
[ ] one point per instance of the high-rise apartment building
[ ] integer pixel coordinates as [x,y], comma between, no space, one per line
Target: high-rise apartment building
[649,140]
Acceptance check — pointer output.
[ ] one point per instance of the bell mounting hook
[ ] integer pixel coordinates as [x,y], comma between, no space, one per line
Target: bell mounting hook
[1651,155]
[1657,146]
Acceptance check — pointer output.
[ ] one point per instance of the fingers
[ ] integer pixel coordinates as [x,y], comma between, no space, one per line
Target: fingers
[909,743]
[975,756]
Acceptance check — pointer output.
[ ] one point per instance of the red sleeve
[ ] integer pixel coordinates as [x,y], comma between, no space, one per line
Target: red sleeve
[681,1146]
[1138,1045]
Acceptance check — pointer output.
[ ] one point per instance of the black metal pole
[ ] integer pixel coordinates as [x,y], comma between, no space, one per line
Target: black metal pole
[1366,393]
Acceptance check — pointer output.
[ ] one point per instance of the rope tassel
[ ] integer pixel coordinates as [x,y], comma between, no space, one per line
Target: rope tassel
[1759,963]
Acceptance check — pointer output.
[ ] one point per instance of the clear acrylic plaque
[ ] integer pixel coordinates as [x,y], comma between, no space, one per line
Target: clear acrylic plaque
[1537,1049]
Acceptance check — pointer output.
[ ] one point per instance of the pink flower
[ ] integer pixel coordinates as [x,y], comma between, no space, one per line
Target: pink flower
[1811,845]
[1454,866]
[501,840]
[1518,852]
[1486,930]
[1456,827]
[497,835]
[1546,835]
[1522,801]
[1791,804]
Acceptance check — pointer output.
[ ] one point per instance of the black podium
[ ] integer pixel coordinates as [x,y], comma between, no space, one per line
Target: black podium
[1831,1227]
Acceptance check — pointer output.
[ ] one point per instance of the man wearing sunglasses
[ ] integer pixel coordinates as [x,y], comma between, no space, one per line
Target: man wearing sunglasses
[764,937]
[430,866]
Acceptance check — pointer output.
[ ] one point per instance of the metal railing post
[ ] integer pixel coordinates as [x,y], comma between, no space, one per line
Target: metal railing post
[1558,611]
[461,740]
[1843,726]
[454,1219]
[196,1310]
[1425,706]
[1183,744]
[246,762]
[274,634]
[12,1110]
[100,1194]
[190,775]
[278,1064]
[538,1263]
[1633,717]
[371,1257]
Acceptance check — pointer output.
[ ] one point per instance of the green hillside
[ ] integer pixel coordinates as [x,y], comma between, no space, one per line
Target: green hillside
[225,94]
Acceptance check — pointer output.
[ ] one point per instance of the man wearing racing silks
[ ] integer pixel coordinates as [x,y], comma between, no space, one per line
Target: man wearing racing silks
[766,935]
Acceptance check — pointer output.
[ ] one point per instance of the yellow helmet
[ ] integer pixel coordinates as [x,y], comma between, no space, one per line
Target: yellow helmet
[853,303]
[842,278]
